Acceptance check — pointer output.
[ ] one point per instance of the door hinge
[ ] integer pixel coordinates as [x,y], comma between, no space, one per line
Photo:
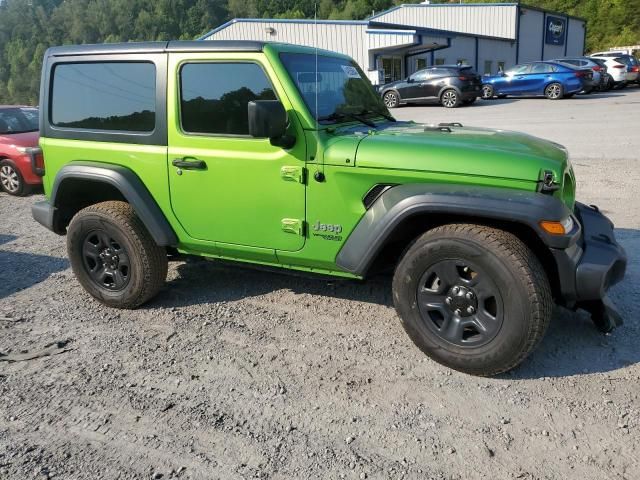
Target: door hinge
[292,173]
[293,225]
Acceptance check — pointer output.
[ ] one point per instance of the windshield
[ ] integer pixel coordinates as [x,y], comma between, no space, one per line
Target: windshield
[342,88]
[18,120]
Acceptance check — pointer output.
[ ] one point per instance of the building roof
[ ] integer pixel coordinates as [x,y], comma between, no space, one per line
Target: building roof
[492,20]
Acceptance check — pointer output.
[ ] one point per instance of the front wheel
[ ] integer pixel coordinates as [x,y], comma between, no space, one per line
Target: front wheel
[450,99]
[113,255]
[391,99]
[11,180]
[473,298]
[554,91]
[487,92]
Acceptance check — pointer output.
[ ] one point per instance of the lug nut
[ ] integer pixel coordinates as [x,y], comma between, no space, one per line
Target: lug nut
[469,295]
[458,311]
[456,290]
[448,300]
[471,310]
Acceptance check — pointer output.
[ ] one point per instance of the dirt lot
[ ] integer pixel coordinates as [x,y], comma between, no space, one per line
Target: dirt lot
[235,373]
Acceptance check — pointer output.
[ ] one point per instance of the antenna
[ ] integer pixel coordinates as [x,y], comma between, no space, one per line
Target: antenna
[315,42]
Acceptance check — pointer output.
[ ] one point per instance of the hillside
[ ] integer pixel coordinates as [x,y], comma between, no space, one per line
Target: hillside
[28,27]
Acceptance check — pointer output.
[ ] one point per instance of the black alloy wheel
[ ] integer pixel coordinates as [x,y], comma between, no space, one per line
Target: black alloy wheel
[106,260]
[459,303]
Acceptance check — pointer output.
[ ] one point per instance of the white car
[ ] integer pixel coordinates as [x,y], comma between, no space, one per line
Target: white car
[622,67]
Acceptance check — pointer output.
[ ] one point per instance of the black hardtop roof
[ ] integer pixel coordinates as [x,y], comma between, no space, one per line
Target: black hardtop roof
[157,47]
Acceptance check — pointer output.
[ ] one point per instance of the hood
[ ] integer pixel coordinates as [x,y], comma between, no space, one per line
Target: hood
[27,139]
[392,84]
[469,151]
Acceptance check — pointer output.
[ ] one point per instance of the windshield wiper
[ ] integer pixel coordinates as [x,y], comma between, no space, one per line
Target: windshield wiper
[353,116]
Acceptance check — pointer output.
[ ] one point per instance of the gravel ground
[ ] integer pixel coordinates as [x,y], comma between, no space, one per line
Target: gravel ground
[235,373]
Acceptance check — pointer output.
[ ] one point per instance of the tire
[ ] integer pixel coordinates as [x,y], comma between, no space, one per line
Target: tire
[554,91]
[497,315]
[450,98]
[113,255]
[11,180]
[391,99]
[487,92]
[469,101]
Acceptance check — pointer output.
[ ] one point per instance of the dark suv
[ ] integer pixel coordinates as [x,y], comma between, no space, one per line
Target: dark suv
[451,85]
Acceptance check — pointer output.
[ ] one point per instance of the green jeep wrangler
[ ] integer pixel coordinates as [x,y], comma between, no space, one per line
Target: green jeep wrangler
[284,156]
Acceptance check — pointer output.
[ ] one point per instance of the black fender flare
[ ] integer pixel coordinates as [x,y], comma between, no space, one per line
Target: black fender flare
[489,203]
[131,188]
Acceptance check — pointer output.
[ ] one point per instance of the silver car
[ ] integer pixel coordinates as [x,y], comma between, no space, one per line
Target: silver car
[599,77]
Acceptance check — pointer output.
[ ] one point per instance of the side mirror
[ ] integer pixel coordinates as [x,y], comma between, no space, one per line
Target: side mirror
[268,119]
[503,74]
[410,80]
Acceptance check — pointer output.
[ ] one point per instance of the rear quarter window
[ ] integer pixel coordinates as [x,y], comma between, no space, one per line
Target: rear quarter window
[107,96]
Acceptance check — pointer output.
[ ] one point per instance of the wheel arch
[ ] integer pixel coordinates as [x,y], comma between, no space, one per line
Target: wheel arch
[394,90]
[404,212]
[448,87]
[80,184]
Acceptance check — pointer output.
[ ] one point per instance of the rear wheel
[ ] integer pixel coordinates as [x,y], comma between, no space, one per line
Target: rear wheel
[11,180]
[473,298]
[450,99]
[487,92]
[113,255]
[391,99]
[554,91]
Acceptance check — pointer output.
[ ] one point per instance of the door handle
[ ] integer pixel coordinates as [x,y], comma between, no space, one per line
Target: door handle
[189,163]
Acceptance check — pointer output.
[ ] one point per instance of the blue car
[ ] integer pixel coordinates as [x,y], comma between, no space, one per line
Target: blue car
[554,80]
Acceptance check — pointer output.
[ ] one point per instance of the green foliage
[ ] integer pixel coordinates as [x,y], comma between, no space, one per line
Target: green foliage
[28,27]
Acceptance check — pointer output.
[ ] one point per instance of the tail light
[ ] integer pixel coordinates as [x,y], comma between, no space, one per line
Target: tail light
[635,69]
[618,66]
[596,68]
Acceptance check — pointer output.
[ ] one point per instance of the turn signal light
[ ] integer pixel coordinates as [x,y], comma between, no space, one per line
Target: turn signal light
[554,228]
[557,228]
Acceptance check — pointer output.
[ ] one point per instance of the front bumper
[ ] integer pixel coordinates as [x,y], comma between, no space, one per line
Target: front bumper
[591,265]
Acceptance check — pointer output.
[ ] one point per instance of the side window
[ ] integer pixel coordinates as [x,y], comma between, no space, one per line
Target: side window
[214,96]
[420,76]
[519,70]
[112,96]
[542,68]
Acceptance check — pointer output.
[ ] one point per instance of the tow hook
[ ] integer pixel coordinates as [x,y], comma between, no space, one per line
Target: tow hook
[604,314]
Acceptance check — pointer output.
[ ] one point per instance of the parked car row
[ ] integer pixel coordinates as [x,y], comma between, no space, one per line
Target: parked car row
[456,85]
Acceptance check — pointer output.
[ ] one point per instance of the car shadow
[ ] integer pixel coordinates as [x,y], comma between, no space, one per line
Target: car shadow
[572,346]
[23,270]
[6,238]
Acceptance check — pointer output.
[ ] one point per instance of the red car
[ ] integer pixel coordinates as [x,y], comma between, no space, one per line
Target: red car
[18,144]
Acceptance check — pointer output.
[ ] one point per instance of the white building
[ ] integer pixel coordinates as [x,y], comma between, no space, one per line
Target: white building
[395,43]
